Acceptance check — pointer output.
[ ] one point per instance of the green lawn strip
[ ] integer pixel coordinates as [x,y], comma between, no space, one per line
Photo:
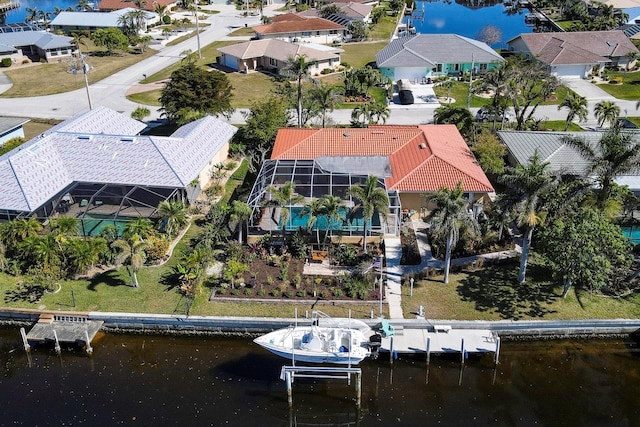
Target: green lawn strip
[558,125]
[635,120]
[628,90]
[360,54]
[384,29]
[202,307]
[146,98]
[242,32]
[35,127]
[187,36]
[460,92]
[209,54]
[55,77]
[237,179]
[492,293]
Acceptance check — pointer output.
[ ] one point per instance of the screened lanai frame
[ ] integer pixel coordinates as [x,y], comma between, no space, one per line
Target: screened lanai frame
[313,181]
[111,202]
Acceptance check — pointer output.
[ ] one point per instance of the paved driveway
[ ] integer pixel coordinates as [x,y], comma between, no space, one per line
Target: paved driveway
[587,89]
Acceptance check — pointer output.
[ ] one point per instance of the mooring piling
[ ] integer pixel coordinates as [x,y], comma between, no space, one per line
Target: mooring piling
[287,376]
[497,350]
[27,347]
[391,350]
[57,345]
[428,350]
[87,342]
[462,351]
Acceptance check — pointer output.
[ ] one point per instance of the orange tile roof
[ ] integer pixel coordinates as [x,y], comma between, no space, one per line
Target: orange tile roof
[292,26]
[422,158]
[122,4]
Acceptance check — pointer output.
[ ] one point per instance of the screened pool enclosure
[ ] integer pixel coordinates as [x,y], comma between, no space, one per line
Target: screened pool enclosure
[314,179]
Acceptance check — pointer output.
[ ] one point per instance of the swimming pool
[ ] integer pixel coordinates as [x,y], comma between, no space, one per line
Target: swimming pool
[296,221]
[632,233]
[92,225]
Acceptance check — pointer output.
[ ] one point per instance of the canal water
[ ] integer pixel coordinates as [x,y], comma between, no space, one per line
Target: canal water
[203,381]
[467,18]
[18,15]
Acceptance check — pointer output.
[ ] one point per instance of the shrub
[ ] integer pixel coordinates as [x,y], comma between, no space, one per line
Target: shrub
[338,293]
[347,255]
[166,19]
[247,291]
[300,294]
[326,71]
[156,248]
[234,250]
[231,165]
[6,62]
[261,293]
[616,81]
[269,280]
[275,292]
[297,279]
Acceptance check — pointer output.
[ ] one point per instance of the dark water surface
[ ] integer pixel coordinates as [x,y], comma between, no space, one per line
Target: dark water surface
[462,18]
[151,380]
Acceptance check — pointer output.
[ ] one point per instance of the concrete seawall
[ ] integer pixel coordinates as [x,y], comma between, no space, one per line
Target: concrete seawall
[177,324]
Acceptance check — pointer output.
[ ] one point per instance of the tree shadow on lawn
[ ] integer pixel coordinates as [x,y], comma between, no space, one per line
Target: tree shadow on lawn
[31,293]
[496,289]
[109,278]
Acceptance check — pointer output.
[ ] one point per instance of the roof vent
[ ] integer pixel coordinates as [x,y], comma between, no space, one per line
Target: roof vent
[84,137]
[346,134]
[422,146]
[127,139]
[377,132]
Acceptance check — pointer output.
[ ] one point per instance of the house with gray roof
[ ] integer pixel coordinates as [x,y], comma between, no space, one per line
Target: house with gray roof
[98,163]
[36,45]
[11,127]
[576,55]
[562,158]
[419,56]
[272,54]
[68,22]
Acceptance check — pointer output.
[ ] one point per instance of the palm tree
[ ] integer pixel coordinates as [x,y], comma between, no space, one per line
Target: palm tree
[448,217]
[23,228]
[241,212]
[616,153]
[132,248]
[161,11]
[283,198]
[314,209]
[64,225]
[607,112]
[333,210]
[371,198]
[326,97]
[528,184]
[42,251]
[140,4]
[577,106]
[140,226]
[298,68]
[85,253]
[173,215]
[31,15]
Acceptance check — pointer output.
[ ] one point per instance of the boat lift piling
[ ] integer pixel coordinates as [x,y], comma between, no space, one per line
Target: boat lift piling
[87,343]
[289,373]
[428,347]
[497,358]
[462,352]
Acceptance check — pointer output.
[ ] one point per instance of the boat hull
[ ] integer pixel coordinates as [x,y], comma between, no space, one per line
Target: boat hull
[311,344]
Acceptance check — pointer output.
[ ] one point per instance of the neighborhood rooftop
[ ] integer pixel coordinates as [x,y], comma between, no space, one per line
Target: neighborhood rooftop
[90,149]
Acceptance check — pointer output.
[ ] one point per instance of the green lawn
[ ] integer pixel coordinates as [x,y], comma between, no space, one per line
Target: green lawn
[628,90]
[360,54]
[558,125]
[460,91]
[384,29]
[492,293]
[56,77]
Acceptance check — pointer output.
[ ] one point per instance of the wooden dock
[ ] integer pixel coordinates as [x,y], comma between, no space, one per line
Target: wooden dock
[68,329]
[441,339]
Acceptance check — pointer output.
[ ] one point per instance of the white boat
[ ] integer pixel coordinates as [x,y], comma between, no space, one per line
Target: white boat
[316,344]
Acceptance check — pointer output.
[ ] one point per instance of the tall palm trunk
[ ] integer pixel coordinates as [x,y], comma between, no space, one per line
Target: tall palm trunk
[364,236]
[526,241]
[299,103]
[447,257]
[240,225]
[135,279]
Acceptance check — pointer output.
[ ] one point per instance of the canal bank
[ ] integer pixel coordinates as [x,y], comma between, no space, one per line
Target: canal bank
[210,325]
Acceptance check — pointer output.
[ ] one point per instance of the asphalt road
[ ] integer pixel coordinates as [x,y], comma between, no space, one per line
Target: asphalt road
[110,92]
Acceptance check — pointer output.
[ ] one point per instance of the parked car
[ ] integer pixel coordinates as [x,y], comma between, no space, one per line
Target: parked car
[406,97]
[486,114]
